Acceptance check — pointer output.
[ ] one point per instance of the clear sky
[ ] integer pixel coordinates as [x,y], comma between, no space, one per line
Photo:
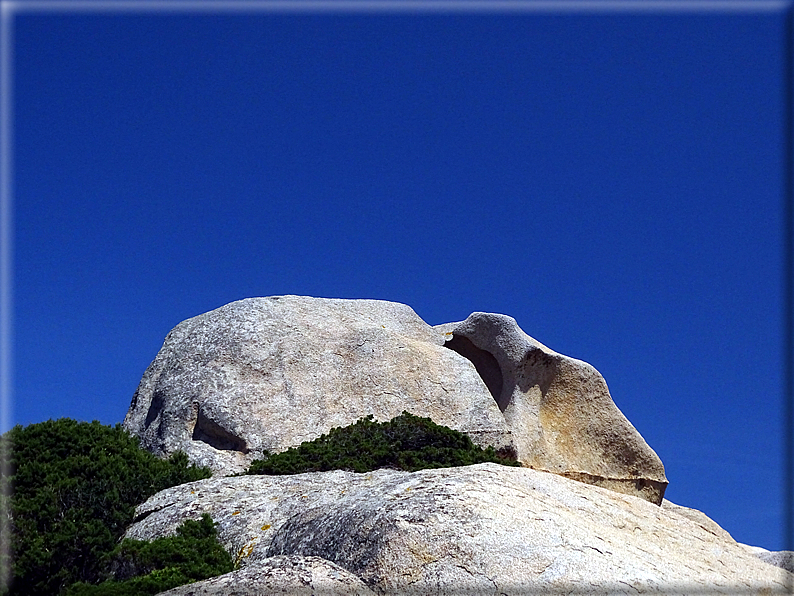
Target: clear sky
[612,179]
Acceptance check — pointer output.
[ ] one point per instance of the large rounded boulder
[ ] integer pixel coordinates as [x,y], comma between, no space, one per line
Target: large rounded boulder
[266,374]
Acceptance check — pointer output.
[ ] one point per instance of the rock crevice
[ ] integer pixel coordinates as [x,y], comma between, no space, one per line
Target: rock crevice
[214,435]
[484,363]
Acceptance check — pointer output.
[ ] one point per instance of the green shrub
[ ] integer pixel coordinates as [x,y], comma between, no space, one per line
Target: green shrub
[140,567]
[75,488]
[406,442]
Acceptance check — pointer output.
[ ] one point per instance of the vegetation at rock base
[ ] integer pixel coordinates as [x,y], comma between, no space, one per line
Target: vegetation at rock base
[75,487]
[406,442]
[141,567]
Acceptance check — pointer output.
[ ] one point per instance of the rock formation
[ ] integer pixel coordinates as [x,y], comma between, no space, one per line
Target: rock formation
[269,373]
[483,529]
[559,410]
[293,575]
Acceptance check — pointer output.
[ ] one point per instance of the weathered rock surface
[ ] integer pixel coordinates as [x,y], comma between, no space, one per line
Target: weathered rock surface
[782,558]
[700,518]
[484,529]
[269,373]
[558,409]
[292,575]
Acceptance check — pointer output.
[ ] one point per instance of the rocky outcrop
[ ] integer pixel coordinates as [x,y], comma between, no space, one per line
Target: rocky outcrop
[291,575]
[558,409]
[483,529]
[269,373]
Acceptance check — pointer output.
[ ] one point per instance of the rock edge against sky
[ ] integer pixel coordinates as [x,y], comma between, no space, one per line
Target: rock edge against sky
[269,373]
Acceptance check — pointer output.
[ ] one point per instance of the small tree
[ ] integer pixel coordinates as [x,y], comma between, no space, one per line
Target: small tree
[75,488]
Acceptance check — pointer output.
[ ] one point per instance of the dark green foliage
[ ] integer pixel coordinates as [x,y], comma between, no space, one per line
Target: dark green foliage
[406,442]
[193,554]
[75,488]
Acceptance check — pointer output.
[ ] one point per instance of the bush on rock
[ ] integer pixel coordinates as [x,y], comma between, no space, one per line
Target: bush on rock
[75,489]
[406,442]
[141,567]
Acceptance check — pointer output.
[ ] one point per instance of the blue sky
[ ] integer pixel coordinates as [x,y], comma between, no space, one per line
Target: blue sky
[612,179]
